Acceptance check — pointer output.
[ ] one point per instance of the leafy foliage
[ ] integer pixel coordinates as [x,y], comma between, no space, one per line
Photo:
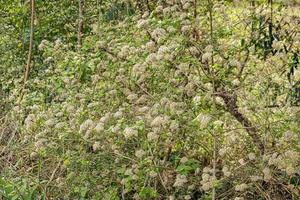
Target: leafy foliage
[163,100]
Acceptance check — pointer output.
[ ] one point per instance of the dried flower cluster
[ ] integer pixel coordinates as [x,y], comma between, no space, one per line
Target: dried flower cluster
[180,100]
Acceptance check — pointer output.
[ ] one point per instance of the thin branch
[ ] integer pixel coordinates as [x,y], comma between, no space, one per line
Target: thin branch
[29,59]
[52,175]
[80,24]
[232,107]
[214,99]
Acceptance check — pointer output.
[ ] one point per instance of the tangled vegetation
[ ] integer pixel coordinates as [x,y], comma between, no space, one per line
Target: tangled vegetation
[169,99]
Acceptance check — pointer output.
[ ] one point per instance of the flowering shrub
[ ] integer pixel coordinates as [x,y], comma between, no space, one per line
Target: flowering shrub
[183,101]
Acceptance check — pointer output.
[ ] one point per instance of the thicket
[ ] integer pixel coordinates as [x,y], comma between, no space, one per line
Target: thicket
[169,99]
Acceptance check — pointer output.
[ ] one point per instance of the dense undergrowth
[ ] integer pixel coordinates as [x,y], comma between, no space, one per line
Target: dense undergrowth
[176,103]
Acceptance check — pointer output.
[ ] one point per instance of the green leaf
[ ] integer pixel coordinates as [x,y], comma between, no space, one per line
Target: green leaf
[147,193]
[184,169]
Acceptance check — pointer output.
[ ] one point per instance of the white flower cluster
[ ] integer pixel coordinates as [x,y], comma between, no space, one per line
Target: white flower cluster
[152,136]
[116,129]
[151,58]
[128,172]
[50,122]
[277,45]
[140,153]
[167,11]
[132,97]
[267,174]
[209,87]
[143,23]
[208,180]
[86,127]
[180,180]
[170,2]
[40,141]
[176,108]
[288,161]
[183,160]
[163,53]
[124,52]
[150,46]
[160,121]
[251,156]
[239,198]
[190,89]
[158,33]
[288,136]
[235,63]
[232,138]
[193,51]
[186,29]
[145,15]
[186,4]
[297,75]
[142,100]
[241,187]
[48,60]
[153,174]
[255,178]
[105,118]
[236,82]
[29,121]
[43,45]
[57,44]
[60,125]
[119,114]
[99,127]
[226,171]
[159,9]
[204,119]
[183,68]
[206,57]
[96,146]
[130,132]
